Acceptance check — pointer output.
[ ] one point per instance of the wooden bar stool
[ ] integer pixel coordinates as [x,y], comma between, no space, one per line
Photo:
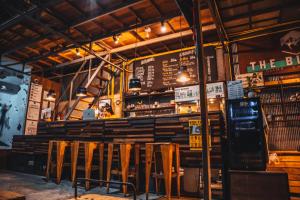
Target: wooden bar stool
[124,151]
[167,150]
[89,148]
[60,154]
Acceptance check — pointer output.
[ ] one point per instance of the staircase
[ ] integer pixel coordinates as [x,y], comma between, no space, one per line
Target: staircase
[96,82]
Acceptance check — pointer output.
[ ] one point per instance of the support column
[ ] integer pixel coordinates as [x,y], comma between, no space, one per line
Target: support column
[202,71]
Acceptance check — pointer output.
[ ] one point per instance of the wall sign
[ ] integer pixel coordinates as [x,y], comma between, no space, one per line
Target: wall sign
[188,93]
[215,90]
[251,79]
[34,107]
[195,135]
[160,72]
[235,89]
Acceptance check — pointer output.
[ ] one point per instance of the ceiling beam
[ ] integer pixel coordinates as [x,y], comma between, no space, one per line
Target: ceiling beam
[186,8]
[139,44]
[19,17]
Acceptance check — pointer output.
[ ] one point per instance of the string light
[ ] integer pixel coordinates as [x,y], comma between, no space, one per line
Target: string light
[148,31]
[163,27]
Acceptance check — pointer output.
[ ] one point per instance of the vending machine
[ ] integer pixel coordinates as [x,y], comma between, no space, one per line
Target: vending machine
[246,139]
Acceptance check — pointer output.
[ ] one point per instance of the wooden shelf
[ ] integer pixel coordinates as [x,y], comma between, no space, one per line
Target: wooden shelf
[276,103]
[149,109]
[150,94]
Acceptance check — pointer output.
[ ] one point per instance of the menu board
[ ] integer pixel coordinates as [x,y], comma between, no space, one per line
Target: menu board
[235,89]
[189,93]
[160,72]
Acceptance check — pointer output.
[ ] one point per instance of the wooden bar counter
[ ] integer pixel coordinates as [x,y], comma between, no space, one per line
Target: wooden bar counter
[167,128]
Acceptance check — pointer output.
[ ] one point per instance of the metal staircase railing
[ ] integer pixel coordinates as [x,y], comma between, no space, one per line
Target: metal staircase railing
[90,80]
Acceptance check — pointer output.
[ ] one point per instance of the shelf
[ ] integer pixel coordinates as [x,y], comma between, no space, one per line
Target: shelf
[276,103]
[149,109]
[150,94]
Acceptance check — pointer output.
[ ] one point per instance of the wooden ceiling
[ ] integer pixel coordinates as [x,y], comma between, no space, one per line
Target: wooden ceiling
[46,34]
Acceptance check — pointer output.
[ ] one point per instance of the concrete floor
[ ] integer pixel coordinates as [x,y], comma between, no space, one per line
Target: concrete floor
[35,188]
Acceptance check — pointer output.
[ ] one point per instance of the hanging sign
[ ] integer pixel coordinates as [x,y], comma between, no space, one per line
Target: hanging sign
[188,93]
[235,89]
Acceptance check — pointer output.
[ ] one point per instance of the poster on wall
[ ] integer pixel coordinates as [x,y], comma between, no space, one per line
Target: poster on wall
[34,107]
[35,92]
[31,127]
[215,90]
[195,135]
[235,89]
[188,93]
[33,110]
[251,79]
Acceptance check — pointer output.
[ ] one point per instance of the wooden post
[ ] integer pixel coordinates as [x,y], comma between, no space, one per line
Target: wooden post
[203,99]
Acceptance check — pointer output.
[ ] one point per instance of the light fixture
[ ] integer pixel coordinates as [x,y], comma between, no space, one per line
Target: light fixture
[148,31]
[77,52]
[183,75]
[163,27]
[116,39]
[81,92]
[135,84]
[51,95]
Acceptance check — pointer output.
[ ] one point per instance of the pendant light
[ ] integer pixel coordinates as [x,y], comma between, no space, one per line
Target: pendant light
[183,75]
[81,92]
[51,95]
[135,83]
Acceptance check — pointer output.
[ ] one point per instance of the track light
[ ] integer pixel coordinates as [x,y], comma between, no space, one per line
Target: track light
[148,31]
[81,92]
[163,27]
[77,52]
[116,39]
[135,84]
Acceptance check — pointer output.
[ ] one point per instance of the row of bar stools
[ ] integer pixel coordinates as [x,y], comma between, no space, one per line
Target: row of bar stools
[124,152]
[89,148]
[166,150]
[60,154]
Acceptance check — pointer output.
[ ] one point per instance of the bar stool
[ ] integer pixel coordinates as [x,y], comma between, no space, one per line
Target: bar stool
[167,150]
[124,151]
[60,154]
[89,148]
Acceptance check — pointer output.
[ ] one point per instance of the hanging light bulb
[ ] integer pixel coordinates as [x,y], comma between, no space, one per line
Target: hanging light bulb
[51,95]
[183,75]
[77,52]
[148,31]
[163,27]
[81,92]
[116,39]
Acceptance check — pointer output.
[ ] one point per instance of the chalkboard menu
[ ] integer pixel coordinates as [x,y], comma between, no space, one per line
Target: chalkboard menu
[160,72]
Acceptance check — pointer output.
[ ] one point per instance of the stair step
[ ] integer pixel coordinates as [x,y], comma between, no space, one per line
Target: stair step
[78,109]
[86,100]
[91,94]
[102,78]
[75,117]
[100,87]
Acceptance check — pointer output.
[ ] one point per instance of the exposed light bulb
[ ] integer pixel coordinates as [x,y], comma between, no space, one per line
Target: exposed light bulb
[77,52]
[163,27]
[116,39]
[148,31]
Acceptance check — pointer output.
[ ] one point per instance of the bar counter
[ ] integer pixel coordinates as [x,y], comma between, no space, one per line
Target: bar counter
[168,128]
